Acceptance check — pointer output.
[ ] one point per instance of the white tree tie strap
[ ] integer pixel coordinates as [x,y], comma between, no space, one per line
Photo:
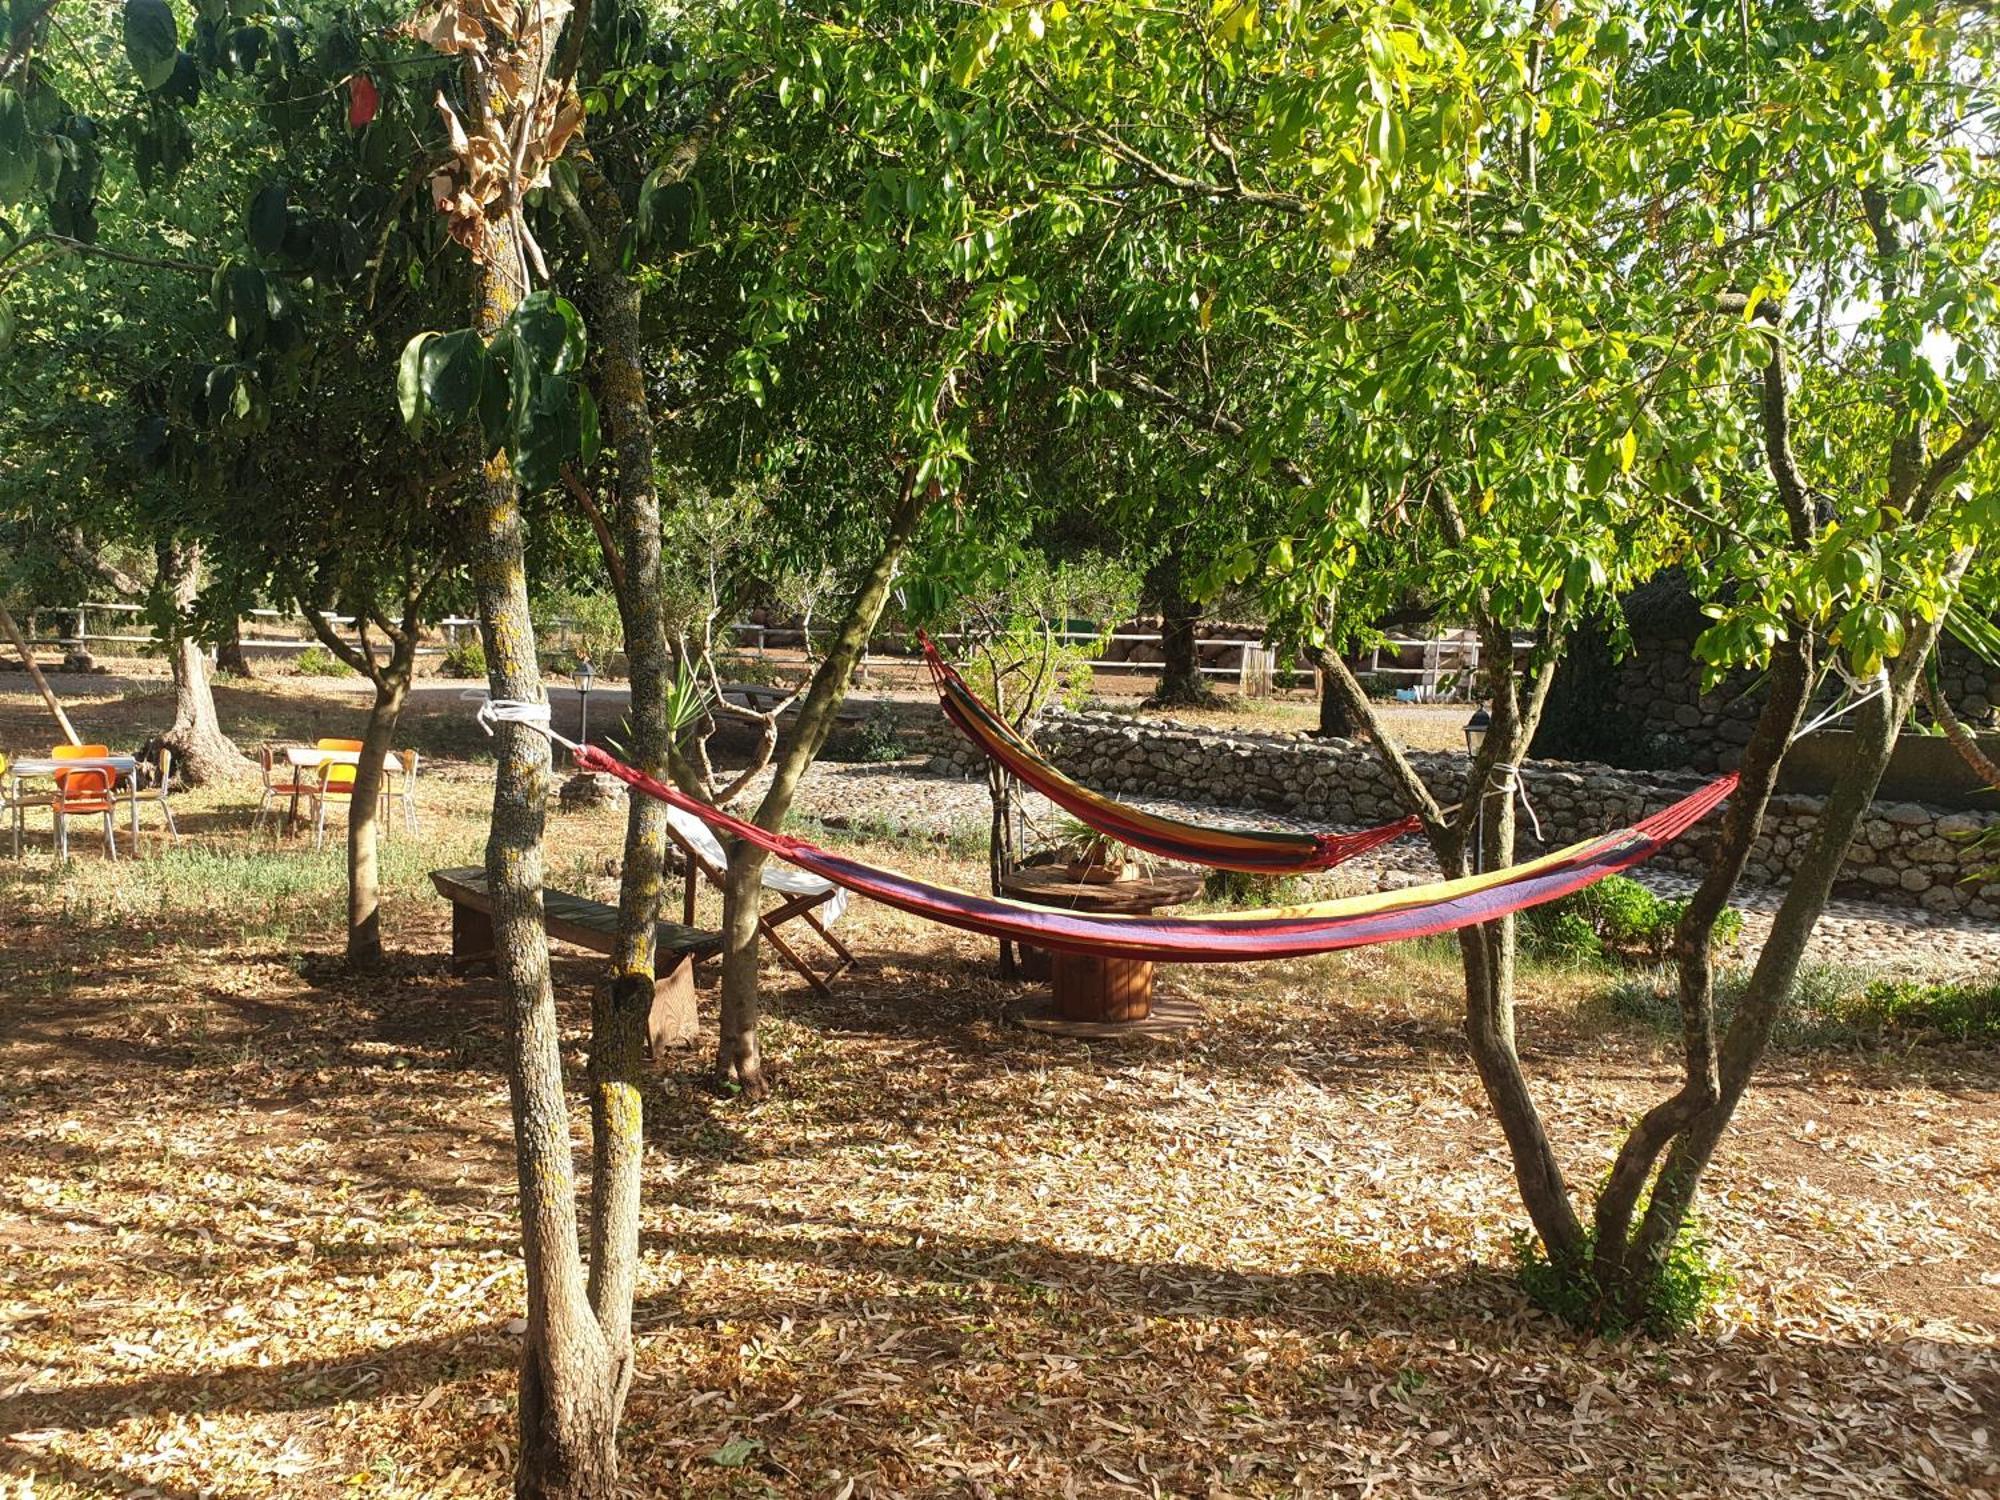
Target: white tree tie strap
[1849,700]
[1512,779]
[522,711]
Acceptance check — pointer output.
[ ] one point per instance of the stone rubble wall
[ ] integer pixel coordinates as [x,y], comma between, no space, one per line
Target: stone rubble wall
[1659,689]
[1905,852]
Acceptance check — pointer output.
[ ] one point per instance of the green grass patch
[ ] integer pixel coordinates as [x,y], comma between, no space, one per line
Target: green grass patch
[1688,1284]
[1832,1006]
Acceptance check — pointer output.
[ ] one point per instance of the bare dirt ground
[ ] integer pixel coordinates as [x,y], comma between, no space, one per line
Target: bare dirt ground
[258,1223]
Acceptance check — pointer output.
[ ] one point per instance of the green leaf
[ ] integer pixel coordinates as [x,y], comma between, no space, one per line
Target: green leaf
[409,381]
[152,41]
[550,331]
[268,218]
[249,307]
[590,439]
[452,368]
[735,1453]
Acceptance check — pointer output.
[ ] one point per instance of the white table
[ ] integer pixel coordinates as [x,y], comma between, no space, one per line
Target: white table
[311,758]
[122,767]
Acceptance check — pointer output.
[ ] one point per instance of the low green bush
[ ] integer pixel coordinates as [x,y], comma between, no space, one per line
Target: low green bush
[1240,888]
[1688,1285]
[877,738]
[317,661]
[1956,1012]
[465,659]
[1615,920]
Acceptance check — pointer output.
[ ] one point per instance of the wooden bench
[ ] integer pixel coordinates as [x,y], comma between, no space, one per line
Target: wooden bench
[588,924]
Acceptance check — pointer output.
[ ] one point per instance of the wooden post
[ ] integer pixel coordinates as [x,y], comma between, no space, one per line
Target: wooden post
[35,672]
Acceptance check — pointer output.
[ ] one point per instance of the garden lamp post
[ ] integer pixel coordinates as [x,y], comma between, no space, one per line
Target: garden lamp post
[1475,730]
[585,675]
[1475,736]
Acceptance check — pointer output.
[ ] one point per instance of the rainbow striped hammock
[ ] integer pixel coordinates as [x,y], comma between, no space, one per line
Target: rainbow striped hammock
[1223,937]
[1257,850]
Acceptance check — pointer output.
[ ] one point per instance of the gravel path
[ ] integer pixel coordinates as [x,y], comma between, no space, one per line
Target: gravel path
[1907,941]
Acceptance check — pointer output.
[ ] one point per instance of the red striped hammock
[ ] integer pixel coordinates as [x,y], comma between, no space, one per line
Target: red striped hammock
[1259,851]
[1222,937]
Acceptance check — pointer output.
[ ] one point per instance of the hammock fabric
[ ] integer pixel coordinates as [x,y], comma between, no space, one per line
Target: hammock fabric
[1226,937]
[1259,851]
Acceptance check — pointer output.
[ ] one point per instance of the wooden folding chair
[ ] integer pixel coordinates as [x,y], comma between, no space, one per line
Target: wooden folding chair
[810,899]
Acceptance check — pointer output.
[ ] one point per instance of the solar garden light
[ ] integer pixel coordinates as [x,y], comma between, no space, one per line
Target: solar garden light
[585,675]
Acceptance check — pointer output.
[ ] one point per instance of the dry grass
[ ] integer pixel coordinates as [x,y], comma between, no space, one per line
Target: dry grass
[257,1217]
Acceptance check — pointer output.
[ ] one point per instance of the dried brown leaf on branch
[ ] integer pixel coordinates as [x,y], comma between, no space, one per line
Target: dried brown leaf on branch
[521,119]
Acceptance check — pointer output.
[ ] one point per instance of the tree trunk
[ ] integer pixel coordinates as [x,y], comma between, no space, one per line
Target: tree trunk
[201,750]
[1774,977]
[1182,684]
[55,707]
[1000,852]
[1336,722]
[620,1007]
[229,655]
[568,1410]
[364,873]
[737,1058]
[1963,740]
[1620,1278]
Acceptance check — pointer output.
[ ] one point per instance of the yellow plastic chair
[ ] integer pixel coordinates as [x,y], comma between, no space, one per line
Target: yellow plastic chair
[89,792]
[336,785]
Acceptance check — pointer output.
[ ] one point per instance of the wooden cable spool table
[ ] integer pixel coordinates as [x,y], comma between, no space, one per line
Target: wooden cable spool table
[1100,994]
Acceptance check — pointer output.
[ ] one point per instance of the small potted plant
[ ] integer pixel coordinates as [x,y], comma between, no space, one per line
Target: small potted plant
[1092,857]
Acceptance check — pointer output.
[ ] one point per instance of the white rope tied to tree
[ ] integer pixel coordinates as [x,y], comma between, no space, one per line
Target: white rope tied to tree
[516,711]
[1847,702]
[1510,776]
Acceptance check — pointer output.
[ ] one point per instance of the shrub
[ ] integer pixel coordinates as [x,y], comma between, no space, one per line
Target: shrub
[465,659]
[1957,1012]
[586,625]
[877,738]
[1615,919]
[1241,888]
[317,661]
[1688,1284]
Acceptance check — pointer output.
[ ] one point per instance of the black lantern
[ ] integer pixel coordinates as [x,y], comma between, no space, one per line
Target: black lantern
[585,675]
[1475,730]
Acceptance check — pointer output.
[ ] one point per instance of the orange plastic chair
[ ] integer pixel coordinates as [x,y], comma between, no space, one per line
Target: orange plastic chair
[87,792]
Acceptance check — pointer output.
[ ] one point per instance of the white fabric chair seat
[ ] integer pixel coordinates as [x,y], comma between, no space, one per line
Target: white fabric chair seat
[785,879]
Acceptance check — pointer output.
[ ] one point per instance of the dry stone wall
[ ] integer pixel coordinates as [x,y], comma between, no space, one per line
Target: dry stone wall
[1906,852]
[1659,690]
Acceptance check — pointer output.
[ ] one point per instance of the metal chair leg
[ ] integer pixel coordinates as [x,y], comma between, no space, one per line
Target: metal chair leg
[173,829]
[62,839]
[263,806]
[111,837]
